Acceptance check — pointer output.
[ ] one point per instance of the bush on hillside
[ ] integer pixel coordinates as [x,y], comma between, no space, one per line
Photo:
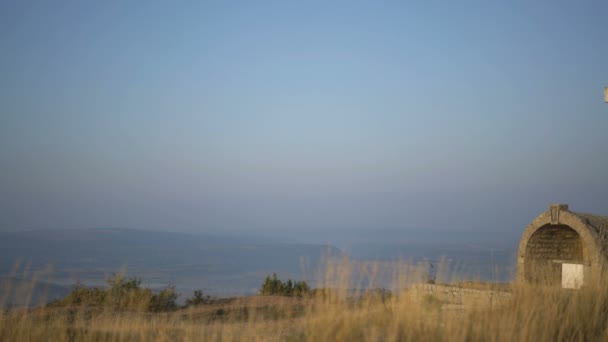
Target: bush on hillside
[121,294]
[164,300]
[274,286]
[82,295]
[198,298]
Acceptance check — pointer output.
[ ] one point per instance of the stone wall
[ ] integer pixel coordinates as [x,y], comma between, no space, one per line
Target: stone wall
[458,297]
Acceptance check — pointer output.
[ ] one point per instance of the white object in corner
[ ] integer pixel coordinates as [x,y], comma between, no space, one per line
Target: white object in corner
[572,276]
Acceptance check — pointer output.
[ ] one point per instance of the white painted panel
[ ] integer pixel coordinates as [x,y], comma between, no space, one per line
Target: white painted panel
[572,276]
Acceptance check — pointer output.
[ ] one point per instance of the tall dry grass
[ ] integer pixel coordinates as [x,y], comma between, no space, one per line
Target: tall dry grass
[340,310]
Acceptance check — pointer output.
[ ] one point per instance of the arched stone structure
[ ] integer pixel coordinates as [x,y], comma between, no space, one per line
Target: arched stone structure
[559,240]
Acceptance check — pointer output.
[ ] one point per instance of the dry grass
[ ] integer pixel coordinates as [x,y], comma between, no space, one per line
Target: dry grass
[335,314]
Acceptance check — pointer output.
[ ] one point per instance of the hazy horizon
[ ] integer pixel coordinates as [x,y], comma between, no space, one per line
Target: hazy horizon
[301,118]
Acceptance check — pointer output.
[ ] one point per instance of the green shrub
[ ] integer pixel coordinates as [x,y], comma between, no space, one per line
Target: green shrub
[198,298]
[121,294]
[82,295]
[164,300]
[274,286]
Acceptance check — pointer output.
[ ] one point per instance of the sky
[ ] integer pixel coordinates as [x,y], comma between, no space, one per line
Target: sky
[301,117]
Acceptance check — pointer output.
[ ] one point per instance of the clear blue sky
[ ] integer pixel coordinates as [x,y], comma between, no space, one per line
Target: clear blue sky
[300,116]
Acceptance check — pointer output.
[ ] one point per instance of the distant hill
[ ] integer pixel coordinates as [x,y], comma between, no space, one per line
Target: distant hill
[460,260]
[18,292]
[220,265]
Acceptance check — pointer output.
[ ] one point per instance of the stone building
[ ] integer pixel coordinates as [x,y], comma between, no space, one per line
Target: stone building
[564,248]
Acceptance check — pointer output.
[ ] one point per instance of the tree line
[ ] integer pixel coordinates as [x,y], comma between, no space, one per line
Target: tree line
[128,294]
[274,286]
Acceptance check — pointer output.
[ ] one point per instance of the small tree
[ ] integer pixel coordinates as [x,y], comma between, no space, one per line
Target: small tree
[82,295]
[288,288]
[301,288]
[274,286]
[164,300]
[198,298]
[127,293]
